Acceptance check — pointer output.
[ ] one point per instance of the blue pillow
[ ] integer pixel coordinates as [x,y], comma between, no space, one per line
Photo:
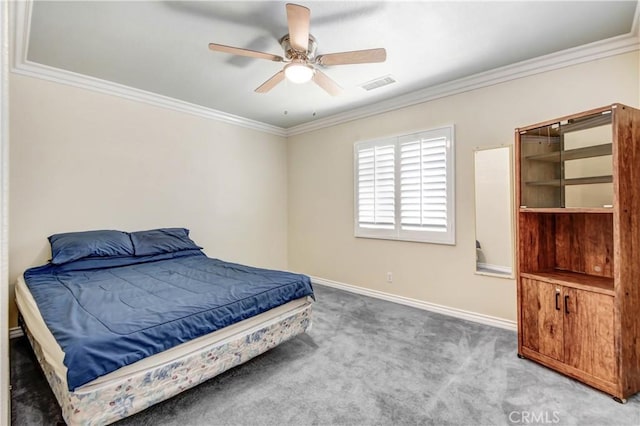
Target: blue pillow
[164,240]
[72,246]
[117,261]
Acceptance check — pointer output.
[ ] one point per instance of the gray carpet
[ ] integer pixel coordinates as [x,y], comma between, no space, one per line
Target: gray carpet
[365,362]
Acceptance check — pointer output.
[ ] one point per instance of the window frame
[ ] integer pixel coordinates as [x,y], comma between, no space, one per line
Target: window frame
[398,233]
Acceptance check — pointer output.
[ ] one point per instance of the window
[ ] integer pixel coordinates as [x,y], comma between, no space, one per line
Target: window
[404,187]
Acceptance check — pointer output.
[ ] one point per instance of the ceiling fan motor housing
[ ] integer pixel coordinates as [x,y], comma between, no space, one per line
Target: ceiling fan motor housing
[290,53]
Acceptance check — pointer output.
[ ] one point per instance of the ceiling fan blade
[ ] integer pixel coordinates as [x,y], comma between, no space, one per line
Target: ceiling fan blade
[354,57]
[298,20]
[271,83]
[323,80]
[244,52]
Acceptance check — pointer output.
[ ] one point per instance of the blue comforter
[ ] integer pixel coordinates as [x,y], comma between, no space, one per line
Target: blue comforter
[110,317]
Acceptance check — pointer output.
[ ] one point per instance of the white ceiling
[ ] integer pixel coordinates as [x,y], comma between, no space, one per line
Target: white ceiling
[161,47]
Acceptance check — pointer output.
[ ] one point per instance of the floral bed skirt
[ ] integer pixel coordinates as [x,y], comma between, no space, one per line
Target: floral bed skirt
[124,397]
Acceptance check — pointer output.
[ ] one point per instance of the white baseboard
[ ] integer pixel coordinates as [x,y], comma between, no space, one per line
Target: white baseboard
[432,307]
[15,332]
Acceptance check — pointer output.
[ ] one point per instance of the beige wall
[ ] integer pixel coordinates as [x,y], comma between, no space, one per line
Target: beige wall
[229,184]
[321,241]
[84,160]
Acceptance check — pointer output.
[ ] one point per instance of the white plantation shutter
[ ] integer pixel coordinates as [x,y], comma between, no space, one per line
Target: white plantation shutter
[404,187]
[423,182]
[376,187]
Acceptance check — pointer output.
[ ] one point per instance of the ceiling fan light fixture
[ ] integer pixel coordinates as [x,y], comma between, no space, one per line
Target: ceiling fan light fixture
[298,72]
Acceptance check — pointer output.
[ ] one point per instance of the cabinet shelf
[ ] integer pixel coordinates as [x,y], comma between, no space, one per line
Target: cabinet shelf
[593,283]
[566,210]
[573,154]
[572,181]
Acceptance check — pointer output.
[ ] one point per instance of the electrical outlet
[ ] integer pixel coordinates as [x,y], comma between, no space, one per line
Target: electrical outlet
[389,277]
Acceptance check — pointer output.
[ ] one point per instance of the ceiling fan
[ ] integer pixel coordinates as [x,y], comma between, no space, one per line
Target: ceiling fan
[300,55]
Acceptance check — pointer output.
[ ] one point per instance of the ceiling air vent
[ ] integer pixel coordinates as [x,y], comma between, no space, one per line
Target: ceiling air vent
[378,82]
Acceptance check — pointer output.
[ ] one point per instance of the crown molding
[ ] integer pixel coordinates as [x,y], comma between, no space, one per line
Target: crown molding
[566,58]
[85,82]
[21,65]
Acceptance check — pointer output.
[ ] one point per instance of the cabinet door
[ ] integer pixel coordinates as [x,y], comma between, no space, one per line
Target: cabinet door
[588,333]
[542,318]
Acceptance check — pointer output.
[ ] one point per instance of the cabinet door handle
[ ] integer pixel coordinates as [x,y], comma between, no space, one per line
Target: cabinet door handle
[566,304]
[557,301]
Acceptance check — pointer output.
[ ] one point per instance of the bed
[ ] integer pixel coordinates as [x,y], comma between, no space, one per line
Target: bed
[121,321]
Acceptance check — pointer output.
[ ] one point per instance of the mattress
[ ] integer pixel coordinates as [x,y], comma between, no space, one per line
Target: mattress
[54,356]
[107,318]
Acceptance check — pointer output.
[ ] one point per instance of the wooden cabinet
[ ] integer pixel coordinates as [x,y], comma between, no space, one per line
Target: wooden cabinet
[543,328]
[578,246]
[588,325]
[570,325]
